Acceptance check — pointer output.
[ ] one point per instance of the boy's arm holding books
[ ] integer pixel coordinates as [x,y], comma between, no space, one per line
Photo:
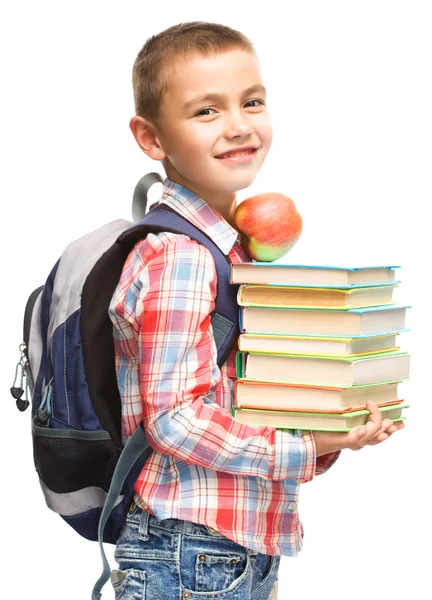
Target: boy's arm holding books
[172,310]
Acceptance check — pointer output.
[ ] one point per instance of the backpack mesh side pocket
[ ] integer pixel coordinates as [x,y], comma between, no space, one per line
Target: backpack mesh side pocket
[73,464]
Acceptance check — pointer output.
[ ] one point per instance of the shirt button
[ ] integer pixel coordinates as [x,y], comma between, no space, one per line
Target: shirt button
[292,506]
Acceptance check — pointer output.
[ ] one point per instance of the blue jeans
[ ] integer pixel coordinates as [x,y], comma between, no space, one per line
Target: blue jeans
[174,559]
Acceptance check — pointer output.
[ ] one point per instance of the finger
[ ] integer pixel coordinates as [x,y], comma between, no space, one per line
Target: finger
[377,439]
[355,435]
[375,413]
[381,437]
[386,425]
[374,422]
[395,427]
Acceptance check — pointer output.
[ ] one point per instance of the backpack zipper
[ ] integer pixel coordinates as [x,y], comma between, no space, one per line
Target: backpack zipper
[20,385]
[28,316]
[44,412]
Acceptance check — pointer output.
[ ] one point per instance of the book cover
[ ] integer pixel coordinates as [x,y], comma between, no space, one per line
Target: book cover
[324,370]
[315,275]
[271,395]
[317,345]
[318,421]
[311,321]
[359,296]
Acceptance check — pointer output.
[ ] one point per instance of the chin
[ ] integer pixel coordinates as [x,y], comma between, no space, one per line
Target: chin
[238,181]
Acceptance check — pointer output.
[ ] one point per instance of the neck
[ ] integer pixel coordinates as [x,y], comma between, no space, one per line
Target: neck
[223,202]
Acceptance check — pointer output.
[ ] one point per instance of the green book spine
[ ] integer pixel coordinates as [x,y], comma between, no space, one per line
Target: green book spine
[240,359]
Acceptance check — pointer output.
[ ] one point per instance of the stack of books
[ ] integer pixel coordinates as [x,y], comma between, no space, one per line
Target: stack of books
[316,343]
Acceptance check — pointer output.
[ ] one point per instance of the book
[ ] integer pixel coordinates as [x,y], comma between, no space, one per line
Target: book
[313,421]
[314,275]
[315,297]
[333,323]
[270,395]
[316,345]
[323,370]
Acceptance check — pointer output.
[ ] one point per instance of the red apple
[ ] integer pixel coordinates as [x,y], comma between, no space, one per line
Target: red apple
[269,224]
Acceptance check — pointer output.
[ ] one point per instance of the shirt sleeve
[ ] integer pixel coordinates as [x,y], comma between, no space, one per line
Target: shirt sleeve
[284,441]
[324,462]
[175,295]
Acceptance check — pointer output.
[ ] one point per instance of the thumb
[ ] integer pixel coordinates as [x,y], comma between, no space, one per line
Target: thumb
[358,432]
[361,431]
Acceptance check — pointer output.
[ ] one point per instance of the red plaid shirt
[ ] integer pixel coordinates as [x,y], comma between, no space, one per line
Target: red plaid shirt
[206,467]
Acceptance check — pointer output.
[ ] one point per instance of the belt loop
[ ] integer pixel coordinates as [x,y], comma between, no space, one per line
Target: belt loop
[143,533]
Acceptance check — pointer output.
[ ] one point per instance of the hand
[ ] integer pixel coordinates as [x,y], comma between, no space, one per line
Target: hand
[374,432]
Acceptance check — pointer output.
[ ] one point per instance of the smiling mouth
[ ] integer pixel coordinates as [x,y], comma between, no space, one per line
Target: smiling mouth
[238,153]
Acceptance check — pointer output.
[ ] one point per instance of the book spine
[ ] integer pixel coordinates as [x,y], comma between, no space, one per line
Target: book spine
[241,319]
[230,273]
[240,364]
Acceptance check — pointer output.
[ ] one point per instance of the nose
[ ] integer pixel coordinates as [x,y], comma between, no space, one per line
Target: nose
[237,125]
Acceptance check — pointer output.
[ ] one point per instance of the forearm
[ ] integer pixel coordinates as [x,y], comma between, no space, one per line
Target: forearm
[207,435]
[327,442]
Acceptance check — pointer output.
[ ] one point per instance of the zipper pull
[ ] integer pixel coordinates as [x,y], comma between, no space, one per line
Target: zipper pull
[20,373]
[44,412]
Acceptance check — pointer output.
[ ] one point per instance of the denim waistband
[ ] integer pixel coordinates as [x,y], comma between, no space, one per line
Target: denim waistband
[146,521]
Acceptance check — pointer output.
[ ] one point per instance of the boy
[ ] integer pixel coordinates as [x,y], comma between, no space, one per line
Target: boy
[215,505]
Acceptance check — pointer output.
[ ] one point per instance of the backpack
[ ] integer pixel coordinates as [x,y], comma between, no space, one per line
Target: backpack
[67,365]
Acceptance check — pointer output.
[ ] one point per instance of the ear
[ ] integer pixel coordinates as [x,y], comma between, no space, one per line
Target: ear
[146,136]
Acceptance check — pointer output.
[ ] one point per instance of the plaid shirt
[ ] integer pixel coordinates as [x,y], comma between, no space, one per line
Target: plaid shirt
[206,467]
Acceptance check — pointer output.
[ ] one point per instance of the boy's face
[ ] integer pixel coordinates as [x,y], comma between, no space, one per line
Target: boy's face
[194,131]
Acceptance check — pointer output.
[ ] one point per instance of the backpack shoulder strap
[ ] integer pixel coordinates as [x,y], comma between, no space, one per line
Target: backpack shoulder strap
[224,318]
[96,326]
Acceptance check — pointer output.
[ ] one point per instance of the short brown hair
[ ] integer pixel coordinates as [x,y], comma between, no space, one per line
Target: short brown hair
[150,74]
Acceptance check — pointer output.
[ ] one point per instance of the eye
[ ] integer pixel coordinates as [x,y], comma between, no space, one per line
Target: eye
[202,112]
[255,100]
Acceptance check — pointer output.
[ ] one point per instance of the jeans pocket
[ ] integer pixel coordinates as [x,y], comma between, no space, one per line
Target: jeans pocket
[215,572]
[269,573]
[129,584]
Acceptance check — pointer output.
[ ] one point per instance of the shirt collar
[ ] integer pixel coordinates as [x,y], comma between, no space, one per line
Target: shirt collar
[200,214]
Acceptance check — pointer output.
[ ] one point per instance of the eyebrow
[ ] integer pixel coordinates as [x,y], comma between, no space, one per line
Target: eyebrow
[215,97]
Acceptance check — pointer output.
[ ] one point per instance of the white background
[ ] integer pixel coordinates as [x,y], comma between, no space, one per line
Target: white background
[350,100]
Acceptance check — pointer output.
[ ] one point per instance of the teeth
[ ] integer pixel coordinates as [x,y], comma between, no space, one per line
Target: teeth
[238,153]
